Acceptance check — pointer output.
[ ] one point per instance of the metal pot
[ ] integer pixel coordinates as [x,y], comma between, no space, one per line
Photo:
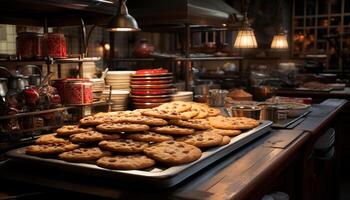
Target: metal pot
[35,79]
[18,82]
[217,97]
[3,87]
[246,111]
[273,112]
[203,89]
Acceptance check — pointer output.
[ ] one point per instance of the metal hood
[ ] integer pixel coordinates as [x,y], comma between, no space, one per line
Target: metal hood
[213,13]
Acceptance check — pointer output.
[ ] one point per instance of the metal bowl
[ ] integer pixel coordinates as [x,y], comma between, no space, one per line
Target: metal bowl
[246,111]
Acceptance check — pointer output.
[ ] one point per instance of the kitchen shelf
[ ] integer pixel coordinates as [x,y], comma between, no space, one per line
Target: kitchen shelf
[35,113]
[207,58]
[52,60]
[132,59]
[47,128]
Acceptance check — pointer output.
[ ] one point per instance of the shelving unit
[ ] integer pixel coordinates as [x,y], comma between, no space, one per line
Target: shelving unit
[320,27]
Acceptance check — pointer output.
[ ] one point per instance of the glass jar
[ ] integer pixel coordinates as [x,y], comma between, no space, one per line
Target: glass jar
[56,45]
[78,92]
[29,45]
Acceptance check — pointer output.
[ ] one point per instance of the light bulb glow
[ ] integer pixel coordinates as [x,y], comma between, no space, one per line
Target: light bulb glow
[279,41]
[245,39]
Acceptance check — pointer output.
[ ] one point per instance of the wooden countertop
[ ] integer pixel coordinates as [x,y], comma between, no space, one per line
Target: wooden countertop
[232,177]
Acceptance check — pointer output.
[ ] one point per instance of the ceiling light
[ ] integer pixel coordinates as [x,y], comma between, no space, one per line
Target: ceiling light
[123,21]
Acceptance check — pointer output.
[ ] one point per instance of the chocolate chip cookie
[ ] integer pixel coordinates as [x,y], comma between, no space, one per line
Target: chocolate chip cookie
[129,162]
[50,149]
[70,130]
[149,137]
[173,153]
[91,136]
[235,123]
[83,154]
[121,127]
[202,139]
[172,130]
[201,124]
[123,146]
[50,139]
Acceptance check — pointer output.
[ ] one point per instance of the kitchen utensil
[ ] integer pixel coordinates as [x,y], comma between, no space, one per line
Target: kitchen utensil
[246,111]
[217,97]
[3,87]
[273,112]
[203,89]
[18,82]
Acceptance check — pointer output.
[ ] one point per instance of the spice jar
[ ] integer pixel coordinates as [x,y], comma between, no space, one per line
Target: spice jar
[56,45]
[78,92]
[30,45]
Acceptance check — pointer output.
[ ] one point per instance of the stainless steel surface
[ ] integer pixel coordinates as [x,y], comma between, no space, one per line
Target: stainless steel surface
[203,89]
[246,111]
[289,121]
[3,87]
[158,176]
[179,12]
[217,97]
[35,79]
[18,82]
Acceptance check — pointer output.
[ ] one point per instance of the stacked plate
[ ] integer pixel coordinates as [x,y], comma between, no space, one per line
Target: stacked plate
[182,96]
[119,80]
[118,98]
[151,88]
[98,86]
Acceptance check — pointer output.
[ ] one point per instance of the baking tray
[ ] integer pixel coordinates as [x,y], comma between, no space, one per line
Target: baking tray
[314,90]
[285,123]
[159,176]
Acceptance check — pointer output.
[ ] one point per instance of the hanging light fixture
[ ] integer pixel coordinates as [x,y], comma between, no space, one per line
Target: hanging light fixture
[280,41]
[123,21]
[245,37]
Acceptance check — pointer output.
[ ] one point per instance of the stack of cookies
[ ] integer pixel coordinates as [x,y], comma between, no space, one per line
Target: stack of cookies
[172,134]
[151,88]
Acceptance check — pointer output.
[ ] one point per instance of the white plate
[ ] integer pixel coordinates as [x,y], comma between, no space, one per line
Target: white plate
[182,94]
[117,92]
[120,72]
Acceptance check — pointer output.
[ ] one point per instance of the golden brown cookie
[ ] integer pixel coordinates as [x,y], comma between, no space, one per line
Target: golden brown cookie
[94,121]
[201,124]
[50,149]
[172,130]
[164,114]
[91,136]
[149,137]
[121,127]
[123,146]
[202,139]
[173,153]
[225,140]
[71,129]
[230,133]
[50,139]
[83,154]
[129,162]
[178,106]
[212,112]
[151,121]
[235,123]
[202,110]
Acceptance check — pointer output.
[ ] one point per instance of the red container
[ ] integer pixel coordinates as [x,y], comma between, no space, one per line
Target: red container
[56,45]
[78,92]
[30,45]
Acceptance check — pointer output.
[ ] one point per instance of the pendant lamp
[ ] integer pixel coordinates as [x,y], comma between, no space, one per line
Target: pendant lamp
[123,21]
[245,37]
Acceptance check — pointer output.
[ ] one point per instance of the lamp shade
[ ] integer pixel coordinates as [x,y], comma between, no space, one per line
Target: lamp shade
[245,39]
[123,21]
[279,41]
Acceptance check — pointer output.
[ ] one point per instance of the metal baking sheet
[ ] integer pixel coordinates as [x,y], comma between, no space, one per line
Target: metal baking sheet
[314,90]
[285,123]
[159,176]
